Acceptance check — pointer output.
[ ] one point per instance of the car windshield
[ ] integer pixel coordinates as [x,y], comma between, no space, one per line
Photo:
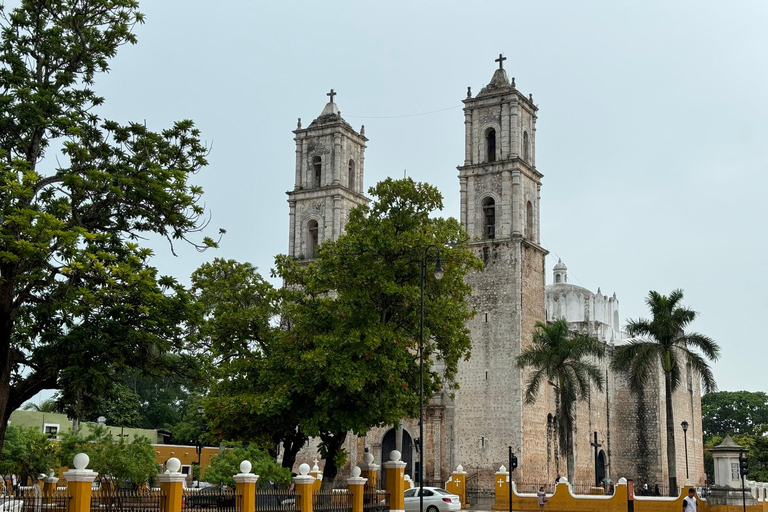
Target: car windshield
[441,491]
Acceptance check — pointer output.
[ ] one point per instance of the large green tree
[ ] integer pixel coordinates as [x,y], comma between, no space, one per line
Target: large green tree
[226,464]
[662,342]
[734,412]
[567,361]
[79,302]
[28,452]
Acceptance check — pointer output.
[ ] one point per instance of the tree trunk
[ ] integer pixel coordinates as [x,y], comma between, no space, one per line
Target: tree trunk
[333,443]
[570,459]
[671,455]
[291,446]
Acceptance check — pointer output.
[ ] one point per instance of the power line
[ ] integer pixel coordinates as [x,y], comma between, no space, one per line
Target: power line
[406,115]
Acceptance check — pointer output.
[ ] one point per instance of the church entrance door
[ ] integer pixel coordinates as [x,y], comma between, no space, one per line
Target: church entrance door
[388,443]
[600,467]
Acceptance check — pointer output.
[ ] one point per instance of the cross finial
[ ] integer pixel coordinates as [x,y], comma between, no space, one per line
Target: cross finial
[501,60]
[331,94]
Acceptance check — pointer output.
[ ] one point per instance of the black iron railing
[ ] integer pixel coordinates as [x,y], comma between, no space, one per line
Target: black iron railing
[280,500]
[375,501]
[56,502]
[130,501]
[336,500]
[223,500]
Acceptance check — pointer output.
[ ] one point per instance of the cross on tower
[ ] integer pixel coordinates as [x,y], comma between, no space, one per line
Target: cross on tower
[501,60]
[331,94]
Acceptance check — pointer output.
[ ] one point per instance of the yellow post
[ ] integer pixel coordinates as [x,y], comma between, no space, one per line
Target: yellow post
[79,482]
[49,485]
[502,489]
[246,487]
[395,469]
[457,484]
[172,486]
[315,472]
[369,471]
[304,488]
[356,487]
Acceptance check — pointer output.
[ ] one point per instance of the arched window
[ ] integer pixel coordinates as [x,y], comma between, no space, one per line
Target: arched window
[351,177]
[490,144]
[529,220]
[312,241]
[489,218]
[557,278]
[317,167]
[526,147]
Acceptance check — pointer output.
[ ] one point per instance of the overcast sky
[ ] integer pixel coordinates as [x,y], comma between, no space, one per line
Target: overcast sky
[651,133]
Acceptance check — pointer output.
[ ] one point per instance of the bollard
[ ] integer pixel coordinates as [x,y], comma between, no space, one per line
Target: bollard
[246,487]
[501,481]
[356,487]
[370,471]
[315,472]
[172,486]
[457,484]
[304,486]
[79,482]
[395,469]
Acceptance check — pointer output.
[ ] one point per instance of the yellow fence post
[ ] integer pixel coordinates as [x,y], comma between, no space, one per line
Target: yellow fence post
[370,471]
[172,486]
[79,481]
[246,487]
[315,472]
[457,484]
[501,486]
[49,485]
[395,469]
[356,487]
[304,487]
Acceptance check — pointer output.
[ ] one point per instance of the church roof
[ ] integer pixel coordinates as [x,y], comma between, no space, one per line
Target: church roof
[330,115]
[728,445]
[560,265]
[499,84]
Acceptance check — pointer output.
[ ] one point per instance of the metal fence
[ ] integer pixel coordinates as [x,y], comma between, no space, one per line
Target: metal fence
[223,500]
[281,500]
[49,503]
[375,501]
[654,490]
[336,500]
[131,501]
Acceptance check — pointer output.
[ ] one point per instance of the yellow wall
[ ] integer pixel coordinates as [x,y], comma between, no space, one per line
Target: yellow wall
[186,454]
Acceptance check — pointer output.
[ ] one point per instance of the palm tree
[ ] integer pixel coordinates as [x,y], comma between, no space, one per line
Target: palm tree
[662,341]
[49,406]
[561,358]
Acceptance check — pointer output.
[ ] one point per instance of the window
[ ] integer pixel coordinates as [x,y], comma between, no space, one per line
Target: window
[317,166]
[410,493]
[312,249]
[526,147]
[351,178]
[51,430]
[489,218]
[529,220]
[557,278]
[490,144]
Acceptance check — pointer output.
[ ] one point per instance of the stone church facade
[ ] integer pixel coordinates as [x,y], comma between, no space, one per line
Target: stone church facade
[500,190]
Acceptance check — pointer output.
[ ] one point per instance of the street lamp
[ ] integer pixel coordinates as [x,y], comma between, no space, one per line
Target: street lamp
[438,275]
[684,424]
[199,446]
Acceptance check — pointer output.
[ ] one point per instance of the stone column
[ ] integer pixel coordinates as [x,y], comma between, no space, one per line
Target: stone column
[517,201]
[467,136]
[246,488]
[336,159]
[395,469]
[501,487]
[505,219]
[370,471]
[297,183]
[506,135]
[457,484]
[292,229]
[315,472]
[304,484]
[172,486]
[463,203]
[79,482]
[336,217]
[356,487]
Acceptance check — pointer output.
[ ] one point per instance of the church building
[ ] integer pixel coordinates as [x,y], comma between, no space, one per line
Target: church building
[618,433]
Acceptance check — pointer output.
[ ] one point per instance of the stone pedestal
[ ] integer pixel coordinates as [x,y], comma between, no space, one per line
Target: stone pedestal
[727,488]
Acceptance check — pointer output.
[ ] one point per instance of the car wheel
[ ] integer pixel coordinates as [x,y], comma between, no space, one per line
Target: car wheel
[432,508]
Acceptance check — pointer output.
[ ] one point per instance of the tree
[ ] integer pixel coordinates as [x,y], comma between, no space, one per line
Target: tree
[663,342]
[734,412]
[79,302]
[351,318]
[28,452]
[562,359]
[48,405]
[227,463]
[122,462]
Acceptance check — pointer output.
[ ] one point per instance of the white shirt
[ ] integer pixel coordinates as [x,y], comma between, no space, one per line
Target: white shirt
[690,504]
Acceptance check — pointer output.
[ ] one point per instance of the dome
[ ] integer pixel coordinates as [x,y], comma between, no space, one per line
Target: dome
[560,265]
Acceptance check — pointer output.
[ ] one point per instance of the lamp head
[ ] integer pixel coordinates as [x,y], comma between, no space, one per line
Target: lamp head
[439,268]
[200,410]
[684,424]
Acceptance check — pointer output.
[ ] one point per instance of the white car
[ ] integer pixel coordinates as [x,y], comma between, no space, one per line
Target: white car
[435,500]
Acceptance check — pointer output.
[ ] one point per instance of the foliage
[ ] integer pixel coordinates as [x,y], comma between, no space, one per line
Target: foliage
[124,462]
[663,342]
[79,302]
[191,427]
[734,412]
[564,360]
[48,405]
[227,463]
[27,451]
[756,451]
[346,358]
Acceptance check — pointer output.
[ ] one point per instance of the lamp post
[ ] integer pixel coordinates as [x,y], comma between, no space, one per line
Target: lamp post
[199,445]
[438,276]
[684,424]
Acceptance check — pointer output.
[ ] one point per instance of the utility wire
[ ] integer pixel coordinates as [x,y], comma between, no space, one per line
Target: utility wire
[406,115]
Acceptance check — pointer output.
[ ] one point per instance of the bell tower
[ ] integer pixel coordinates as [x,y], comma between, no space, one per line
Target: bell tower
[330,158]
[499,186]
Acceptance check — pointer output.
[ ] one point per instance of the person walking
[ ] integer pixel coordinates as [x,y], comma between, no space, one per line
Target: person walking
[689,502]
[542,498]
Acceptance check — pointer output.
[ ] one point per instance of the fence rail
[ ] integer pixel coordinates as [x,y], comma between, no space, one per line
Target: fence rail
[280,500]
[336,500]
[223,500]
[49,503]
[131,501]
[375,501]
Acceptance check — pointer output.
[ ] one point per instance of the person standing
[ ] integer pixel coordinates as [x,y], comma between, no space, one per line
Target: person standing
[542,498]
[689,502]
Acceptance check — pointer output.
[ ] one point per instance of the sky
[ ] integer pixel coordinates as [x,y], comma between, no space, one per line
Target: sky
[651,133]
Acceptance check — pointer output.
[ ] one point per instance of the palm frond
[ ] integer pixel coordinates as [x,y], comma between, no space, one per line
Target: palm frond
[637,360]
[704,343]
[534,383]
[699,364]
